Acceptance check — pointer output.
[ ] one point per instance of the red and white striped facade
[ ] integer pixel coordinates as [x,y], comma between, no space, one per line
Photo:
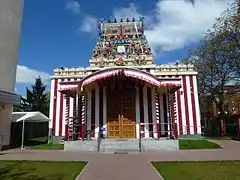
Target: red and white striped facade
[154,108]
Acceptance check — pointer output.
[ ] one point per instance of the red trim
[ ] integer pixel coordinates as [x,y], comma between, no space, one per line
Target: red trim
[79,82]
[179,113]
[186,103]
[61,116]
[193,105]
[54,106]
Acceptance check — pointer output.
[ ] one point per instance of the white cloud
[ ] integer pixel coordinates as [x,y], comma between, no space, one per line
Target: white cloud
[126,12]
[175,24]
[26,75]
[89,24]
[73,6]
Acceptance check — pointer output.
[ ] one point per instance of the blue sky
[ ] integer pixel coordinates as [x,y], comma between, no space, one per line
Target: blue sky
[63,32]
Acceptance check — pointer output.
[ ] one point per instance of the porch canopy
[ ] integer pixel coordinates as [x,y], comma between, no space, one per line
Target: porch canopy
[168,84]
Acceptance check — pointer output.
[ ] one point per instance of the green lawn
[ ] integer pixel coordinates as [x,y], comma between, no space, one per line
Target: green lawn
[197,144]
[40,170]
[42,143]
[199,170]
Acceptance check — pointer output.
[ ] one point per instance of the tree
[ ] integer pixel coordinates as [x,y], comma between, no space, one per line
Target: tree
[37,99]
[217,58]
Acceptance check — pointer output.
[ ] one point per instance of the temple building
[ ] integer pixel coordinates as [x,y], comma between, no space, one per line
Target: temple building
[123,92]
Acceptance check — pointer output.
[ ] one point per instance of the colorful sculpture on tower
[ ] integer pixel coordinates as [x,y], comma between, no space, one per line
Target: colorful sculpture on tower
[122,43]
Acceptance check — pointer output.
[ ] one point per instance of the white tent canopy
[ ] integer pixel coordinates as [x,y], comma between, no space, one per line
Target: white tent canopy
[29,117]
[24,117]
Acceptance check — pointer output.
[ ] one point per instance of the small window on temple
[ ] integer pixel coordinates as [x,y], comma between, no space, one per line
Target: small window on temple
[75,79]
[69,79]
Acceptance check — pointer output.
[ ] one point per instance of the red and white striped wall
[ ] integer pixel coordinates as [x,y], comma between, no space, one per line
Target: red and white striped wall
[151,108]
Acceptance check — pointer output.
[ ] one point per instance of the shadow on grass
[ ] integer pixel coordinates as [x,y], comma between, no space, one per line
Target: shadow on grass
[18,173]
[30,170]
[35,142]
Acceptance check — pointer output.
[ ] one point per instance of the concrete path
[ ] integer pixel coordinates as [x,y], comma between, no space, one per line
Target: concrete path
[126,166]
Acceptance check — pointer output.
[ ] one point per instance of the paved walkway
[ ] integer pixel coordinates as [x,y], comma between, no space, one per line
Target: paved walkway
[128,166]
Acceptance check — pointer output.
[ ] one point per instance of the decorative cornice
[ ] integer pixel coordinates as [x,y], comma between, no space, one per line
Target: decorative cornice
[9,97]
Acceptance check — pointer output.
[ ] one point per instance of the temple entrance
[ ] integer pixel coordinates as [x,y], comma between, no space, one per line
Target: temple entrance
[121,116]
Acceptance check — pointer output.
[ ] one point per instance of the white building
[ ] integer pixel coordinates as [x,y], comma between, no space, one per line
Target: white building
[10,28]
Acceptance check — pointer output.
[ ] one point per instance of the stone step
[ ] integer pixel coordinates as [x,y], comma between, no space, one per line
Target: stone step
[81,146]
[119,145]
[159,145]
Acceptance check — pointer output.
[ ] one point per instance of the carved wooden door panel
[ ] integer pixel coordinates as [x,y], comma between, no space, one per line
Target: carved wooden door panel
[121,120]
[113,113]
[127,118]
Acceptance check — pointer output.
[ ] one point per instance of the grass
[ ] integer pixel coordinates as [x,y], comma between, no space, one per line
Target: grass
[199,170]
[42,143]
[197,144]
[40,170]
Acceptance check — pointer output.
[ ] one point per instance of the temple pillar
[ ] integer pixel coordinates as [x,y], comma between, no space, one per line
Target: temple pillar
[155,112]
[137,106]
[89,110]
[97,106]
[83,115]
[162,109]
[105,110]
[145,105]
[66,97]
[168,109]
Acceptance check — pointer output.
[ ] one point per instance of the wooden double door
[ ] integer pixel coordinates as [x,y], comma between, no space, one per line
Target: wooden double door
[121,115]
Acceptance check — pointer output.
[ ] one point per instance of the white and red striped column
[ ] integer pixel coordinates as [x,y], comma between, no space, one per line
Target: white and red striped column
[157,105]
[67,129]
[83,115]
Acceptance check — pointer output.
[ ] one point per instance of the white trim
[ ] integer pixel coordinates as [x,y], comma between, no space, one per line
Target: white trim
[190,113]
[64,116]
[197,108]
[183,109]
[137,106]
[58,109]
[51,102]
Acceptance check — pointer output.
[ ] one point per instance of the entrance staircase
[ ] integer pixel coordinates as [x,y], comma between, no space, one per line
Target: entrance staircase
[119,145]
[122,145]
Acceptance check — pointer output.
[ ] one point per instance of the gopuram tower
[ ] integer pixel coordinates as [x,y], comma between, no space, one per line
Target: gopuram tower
[122,43]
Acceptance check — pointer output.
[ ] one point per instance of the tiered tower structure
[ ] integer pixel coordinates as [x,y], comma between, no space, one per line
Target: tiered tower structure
[121,43]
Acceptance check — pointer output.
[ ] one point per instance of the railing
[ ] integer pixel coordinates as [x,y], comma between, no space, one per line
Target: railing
[167,130]
[158,130]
